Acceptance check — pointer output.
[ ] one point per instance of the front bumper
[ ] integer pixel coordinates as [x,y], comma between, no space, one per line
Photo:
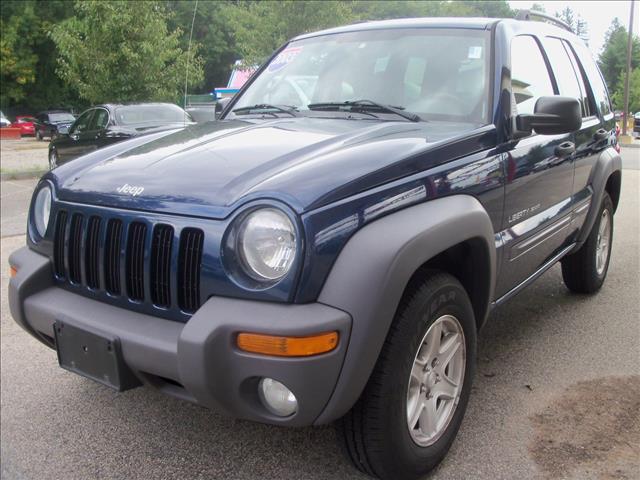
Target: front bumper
[198,360]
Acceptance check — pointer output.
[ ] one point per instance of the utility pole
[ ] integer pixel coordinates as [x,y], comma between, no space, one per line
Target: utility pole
[626,80]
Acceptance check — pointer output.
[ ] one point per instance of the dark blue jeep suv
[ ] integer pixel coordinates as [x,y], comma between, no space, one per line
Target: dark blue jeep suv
[328,249]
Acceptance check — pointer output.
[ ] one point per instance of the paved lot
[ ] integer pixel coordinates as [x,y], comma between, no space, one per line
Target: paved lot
[557,395]
[26,154]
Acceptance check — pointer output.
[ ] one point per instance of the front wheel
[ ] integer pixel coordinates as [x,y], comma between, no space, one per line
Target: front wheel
[411,409]
[53,159]
[38,135]
[585,270]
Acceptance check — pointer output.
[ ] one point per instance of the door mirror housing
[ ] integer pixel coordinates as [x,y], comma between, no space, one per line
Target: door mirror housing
[552,116]
[221,105]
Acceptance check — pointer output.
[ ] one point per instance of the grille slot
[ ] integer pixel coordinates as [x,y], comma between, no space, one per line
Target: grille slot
[91,260]
[135,261]
[189,261]
[112,248]
[161,244]
[75,247]
[58,242]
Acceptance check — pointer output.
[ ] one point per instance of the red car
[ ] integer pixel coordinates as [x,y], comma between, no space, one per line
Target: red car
[26,124]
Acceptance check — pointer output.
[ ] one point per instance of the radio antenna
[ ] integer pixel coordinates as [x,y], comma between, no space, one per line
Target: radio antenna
[186,73]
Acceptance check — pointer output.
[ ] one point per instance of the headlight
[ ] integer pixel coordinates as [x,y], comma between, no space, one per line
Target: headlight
[266,244]
[41,210]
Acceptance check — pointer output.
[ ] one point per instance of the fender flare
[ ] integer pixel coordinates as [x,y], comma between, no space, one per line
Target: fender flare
[374,267]
[609,162]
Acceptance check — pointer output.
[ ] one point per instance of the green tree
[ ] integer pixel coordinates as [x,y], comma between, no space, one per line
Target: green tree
[634,91]
[613,58]
[376,10]
[211,30]
[28,55]
[123,51]
[575,21]
[261,27]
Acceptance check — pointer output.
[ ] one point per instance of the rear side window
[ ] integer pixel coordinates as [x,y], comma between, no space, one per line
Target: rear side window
[598,87]
[564,72]
[529,75]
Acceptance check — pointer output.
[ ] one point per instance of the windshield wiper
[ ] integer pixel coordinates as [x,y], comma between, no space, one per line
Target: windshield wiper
[364,105]
[265,106]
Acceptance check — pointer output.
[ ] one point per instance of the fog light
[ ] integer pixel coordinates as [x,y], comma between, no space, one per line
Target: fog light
[278,399]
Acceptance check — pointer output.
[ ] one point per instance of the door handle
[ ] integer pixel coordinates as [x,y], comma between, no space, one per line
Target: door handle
[565,149]
[600,134]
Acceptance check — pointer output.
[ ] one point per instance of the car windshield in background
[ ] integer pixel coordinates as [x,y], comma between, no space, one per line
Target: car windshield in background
[61,117]
[156,114]
[438,74]
[26,120]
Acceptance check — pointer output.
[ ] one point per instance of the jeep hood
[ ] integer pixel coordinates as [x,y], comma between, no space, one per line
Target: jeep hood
[207,170]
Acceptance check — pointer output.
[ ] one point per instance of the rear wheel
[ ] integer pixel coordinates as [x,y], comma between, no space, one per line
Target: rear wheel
[38,135]
[412,407]
[585,270]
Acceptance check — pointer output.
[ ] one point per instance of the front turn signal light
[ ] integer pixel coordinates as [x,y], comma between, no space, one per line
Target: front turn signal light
[288,346]
[13,271]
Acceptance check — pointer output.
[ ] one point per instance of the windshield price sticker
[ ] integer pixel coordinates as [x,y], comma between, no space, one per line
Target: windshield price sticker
[284,58]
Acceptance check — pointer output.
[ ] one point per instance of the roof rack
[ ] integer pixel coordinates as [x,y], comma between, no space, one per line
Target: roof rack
[531,14]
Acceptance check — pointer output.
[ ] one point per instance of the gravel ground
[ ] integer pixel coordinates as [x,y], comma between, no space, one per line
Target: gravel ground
[556,396]
[22,155]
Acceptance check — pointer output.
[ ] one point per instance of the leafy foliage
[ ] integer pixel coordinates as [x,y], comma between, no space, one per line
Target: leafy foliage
[634,91]
[613,60]
[575,21]
[123,51]
[28,56]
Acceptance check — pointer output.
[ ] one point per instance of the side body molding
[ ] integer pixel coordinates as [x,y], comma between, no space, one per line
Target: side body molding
[374,267]
[608,162]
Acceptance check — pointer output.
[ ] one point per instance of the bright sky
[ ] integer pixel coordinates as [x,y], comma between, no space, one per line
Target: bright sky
[597,14]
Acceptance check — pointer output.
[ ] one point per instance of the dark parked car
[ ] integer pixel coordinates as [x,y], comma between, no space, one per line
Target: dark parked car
[304,261]
[106,124]
[53,123]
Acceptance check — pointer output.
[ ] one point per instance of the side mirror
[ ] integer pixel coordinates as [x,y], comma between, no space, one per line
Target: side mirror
[221,105]
[552,116]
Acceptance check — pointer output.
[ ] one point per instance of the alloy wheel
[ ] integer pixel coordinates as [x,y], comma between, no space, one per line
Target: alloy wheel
[436,379]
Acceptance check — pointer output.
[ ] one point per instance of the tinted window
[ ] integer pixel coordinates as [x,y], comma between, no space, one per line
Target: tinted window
[61,117]
[82,123]
[440,74]
[100,119]
[529,75]
[151,114]
[598,88]
[563,70]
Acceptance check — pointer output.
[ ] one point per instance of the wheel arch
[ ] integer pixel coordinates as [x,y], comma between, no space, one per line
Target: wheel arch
[606,176]
[381,260]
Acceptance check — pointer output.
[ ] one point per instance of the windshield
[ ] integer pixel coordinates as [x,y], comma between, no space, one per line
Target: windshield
[157,114]
[439,74]
[61,117]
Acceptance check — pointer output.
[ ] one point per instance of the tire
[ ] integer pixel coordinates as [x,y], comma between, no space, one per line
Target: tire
[38,135]
[376,433]
[584,271]
[53,159]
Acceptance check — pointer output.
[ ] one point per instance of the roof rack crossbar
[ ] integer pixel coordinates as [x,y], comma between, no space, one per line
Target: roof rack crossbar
[530,14]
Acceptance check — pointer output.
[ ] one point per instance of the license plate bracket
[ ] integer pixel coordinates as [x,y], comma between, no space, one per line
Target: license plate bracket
[93,355]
